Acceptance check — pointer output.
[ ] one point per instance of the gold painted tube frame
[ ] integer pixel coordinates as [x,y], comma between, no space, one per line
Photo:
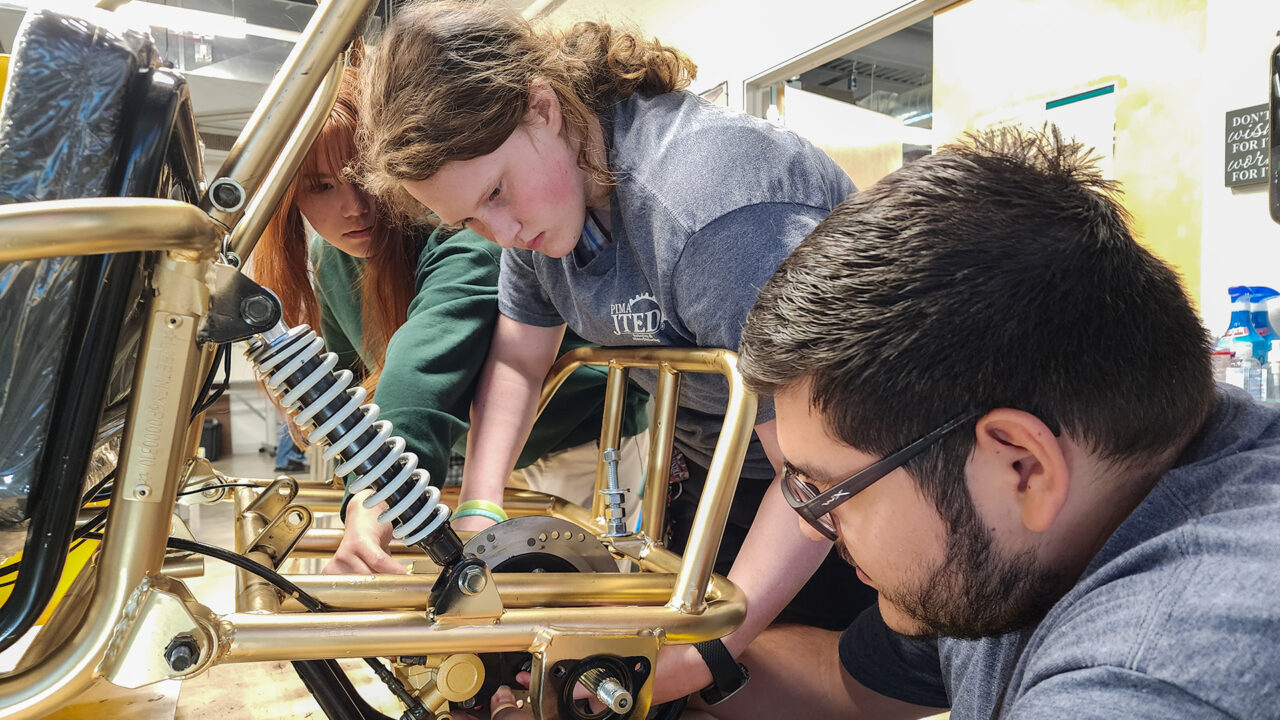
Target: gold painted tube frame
[124,621]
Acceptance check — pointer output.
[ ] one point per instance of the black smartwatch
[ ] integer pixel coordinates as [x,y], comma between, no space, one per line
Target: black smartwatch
[727,675]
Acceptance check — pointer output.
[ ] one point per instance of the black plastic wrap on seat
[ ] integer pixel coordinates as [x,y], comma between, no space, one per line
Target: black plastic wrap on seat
[60,137]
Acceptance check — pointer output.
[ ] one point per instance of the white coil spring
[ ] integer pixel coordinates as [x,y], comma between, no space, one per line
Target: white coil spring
[282,358]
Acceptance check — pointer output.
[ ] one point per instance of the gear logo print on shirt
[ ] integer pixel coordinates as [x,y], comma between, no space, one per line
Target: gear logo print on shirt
[639,319]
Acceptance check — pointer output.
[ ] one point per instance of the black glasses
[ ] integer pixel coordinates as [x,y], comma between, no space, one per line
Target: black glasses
[816,507]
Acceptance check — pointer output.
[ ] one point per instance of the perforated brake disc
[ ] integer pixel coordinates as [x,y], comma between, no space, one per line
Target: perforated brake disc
[537,543]
[534,543]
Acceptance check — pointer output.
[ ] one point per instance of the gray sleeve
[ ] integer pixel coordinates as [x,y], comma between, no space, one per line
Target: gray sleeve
[521,296]
[727,262]
[1109,692]
[893,665]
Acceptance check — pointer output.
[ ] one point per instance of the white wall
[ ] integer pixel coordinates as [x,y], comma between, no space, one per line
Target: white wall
[1240,243]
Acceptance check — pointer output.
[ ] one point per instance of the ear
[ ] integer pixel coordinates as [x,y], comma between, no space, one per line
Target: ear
[1027,463]
[544,107]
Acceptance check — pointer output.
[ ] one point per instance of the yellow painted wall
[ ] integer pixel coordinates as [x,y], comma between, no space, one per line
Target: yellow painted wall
[991,56]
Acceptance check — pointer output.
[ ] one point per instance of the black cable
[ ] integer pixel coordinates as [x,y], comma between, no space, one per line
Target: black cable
[221,387]
[207,385]
[244,563]
[204,400]
[93,492]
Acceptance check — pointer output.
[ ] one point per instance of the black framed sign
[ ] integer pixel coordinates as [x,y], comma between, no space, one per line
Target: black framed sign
[1247,149]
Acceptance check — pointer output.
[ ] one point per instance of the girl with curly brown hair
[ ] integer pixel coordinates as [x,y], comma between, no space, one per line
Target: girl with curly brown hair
[412,313]
[628,210]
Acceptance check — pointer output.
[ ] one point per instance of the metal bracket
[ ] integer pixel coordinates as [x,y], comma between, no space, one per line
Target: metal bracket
[201,473]
[274,498]
[165,634]
[555,662]
[282,534]
[239,308]
[464,592]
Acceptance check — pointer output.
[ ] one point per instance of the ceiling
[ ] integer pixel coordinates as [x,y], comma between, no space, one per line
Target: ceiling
[228,75]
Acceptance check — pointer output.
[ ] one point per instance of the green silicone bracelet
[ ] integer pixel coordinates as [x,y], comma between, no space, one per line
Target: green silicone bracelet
[477,512]
[489,507]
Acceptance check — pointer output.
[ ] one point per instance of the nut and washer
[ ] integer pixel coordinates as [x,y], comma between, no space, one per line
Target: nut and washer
[472,580]
[182,653]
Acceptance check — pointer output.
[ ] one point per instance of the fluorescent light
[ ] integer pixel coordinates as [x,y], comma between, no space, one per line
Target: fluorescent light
[915,118]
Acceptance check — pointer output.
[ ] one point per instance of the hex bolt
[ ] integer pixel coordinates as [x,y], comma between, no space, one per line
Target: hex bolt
[182,653]
[256,310]
[615,513]
[471,580]
[226,194]
[611,461]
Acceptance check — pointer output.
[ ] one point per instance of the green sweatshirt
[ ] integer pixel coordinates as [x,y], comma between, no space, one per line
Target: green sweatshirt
[434,359]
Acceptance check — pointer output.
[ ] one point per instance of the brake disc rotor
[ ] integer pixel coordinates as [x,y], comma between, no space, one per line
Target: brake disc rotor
[537,543]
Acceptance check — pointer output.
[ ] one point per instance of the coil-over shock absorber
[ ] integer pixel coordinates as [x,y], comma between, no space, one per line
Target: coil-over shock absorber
[330,409]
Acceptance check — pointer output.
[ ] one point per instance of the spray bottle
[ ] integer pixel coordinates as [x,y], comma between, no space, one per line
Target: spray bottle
[1241,328]
[1258,297]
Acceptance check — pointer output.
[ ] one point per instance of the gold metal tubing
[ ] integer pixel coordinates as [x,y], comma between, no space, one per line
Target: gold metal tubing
[731,448]
[319,542]
[314,636]
[518,590]
[661,434]
[615,398]
[717,493]
[252,592]
[142,500]
[323,542]
[93,226]
[256,215]
[516,503]
[287,97]
[646,358]
[184,567]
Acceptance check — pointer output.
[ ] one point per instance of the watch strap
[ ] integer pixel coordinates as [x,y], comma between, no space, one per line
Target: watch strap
[727,675]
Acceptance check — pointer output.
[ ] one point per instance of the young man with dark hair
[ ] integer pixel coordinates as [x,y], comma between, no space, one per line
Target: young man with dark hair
[1001,408]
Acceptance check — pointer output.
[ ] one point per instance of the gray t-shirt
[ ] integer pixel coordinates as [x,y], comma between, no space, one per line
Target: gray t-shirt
[1178,615]
[707,204]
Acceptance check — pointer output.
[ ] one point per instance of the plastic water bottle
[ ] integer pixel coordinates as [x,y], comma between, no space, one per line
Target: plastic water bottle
[1221,359]
[1244,370]
[1273,372]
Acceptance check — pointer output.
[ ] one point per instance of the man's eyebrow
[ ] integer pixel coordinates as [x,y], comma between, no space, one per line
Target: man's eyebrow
[813,476]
